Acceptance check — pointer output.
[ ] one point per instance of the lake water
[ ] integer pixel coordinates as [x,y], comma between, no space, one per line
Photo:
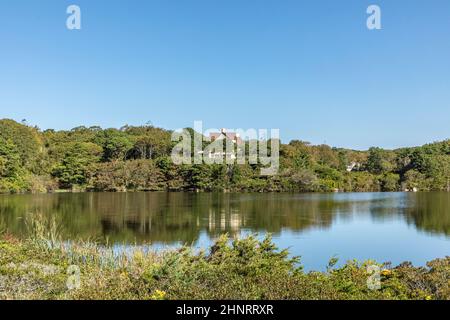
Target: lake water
[393,227]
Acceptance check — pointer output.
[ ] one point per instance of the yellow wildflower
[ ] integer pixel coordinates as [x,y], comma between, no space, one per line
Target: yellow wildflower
[158,295]
[386,272]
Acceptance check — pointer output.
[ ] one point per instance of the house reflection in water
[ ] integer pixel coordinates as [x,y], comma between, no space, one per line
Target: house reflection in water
[170,218]
[231,223]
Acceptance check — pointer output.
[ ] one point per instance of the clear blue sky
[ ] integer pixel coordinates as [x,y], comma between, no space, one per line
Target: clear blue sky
[310,68]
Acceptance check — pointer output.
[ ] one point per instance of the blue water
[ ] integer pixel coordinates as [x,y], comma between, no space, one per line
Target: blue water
[387,227]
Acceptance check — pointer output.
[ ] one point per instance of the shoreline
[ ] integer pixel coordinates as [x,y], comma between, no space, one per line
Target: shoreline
[215,192]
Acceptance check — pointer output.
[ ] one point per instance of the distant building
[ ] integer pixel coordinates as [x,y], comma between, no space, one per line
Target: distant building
[223,134]
[354,166]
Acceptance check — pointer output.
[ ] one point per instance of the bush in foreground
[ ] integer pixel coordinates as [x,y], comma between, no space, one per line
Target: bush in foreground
[239,269]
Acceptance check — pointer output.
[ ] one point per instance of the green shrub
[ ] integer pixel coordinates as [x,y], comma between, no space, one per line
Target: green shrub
[231,269]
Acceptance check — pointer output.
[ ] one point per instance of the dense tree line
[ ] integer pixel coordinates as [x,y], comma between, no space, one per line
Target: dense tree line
[138,158]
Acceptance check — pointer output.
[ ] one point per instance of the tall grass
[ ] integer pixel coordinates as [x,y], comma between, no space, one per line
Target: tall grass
[44,230]
[46,233]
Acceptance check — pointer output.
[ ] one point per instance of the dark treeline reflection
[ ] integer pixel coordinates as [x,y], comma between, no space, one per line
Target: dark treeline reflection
[181,217]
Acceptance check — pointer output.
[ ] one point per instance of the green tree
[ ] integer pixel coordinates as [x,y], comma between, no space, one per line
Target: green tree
[12,174]
[116,144]
[390,182]
[74,167]
[27,141]
[375,161]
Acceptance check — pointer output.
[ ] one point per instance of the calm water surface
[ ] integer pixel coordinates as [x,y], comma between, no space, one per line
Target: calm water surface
[392,227]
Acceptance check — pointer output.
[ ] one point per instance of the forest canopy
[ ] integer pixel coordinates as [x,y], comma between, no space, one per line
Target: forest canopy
[138,158]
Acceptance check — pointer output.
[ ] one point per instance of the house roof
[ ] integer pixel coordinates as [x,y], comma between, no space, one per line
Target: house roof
[229,135]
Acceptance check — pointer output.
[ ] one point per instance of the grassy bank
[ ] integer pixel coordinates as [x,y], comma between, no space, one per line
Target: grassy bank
[42,267]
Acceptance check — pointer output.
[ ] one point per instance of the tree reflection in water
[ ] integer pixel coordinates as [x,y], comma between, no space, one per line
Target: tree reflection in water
[180,217]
